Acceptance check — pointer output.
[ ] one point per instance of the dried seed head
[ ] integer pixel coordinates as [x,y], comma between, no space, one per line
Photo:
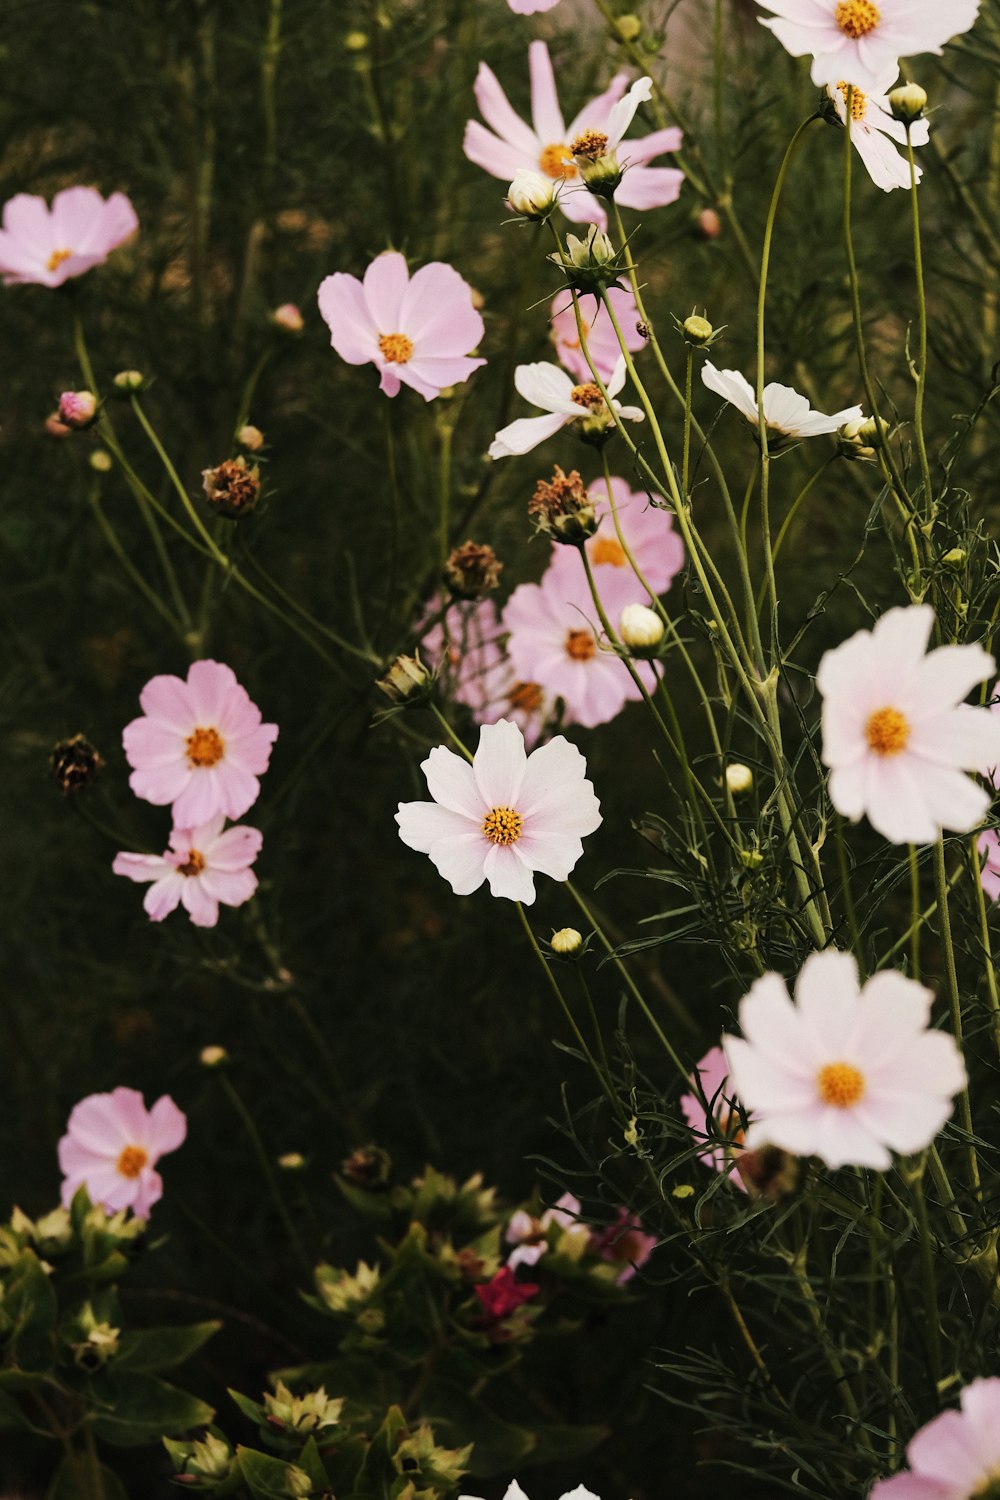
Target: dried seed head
[472,571]
[233,488]
[76,763]
[562,508]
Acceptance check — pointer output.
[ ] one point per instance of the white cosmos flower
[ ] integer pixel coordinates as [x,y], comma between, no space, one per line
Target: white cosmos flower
[505,816]
[871,124]
[515,1492]
[848,1073]
[549,387]
[896,734]
[785,411]
[861,39]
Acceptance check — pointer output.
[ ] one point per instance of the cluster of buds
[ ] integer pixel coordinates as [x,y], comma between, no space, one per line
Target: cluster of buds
[76,763]
[202,1464]
[341,1292]
[312,1412]
[232,488]
[561,507]
[471,571]
[860,440]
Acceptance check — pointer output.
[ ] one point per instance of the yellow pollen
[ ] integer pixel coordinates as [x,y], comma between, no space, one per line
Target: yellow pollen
[554,164]
[587,395]
[396,348]
[856,18]
[840,1084]
[132,1161]
[887,731]
[580,645]
[592,144]
[859,101]
[608,549]
[526,696]
[56,259]
[205,747]
[503,825]
[194,864]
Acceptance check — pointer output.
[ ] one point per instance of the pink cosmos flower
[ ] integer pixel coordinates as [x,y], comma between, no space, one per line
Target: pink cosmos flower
[849,1073]
[989,853]
[201,745]
[505,816]
[511,145]
[648,531]
[202,867]
[956,1456]
[602,341]
[468,647]
[555,638]
[530,1236]
[624,1243]
[111,1146]
[896,735]
[416,331]
[873,131]
[48,246]
[860,39]
[547,386]
[713,1076]
[530,7]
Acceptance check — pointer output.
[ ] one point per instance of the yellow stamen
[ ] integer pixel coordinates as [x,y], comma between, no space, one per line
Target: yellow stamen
[194,865]
[205,747]
[526,696]
[591,144]
[609,550]
[503,825]
[859,101]
[856,18]
[132,1161]
[396,348]
[887,731]
[554,164]
[587,395]
[580,645]
[56,259]
[840,1084]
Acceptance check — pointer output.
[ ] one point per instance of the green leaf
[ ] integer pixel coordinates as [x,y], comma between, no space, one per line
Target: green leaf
[155,1349]
[66,1484]
[560,1441]
[310,1461]
[141,1409]
[498,1446]
[265,1477]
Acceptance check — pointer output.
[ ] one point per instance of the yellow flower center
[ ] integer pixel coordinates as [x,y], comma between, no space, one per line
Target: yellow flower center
[608,549]
[856,18]
[396,348]
[194,864]
[887,731]
[840,1084]
[587,395]
[859,101]
[205,747]
[592,144]
[554,164]
[580,645]
[503,825]
[132,1161]
[526,696]
[56,259]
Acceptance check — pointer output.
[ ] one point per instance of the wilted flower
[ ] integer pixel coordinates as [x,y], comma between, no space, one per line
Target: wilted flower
[232,488]
[470,571]
[77,408]
[786,413]
[49,246]
[202,867]
[547,386]
[111,1146]
[874,128]
[562,508]
[955,1456]
[416,330]
[504,817]
[76,763]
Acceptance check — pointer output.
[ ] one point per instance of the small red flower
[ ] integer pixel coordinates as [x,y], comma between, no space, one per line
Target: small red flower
[502,1295]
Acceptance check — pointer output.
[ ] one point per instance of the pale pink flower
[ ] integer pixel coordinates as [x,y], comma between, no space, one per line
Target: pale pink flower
[623,1243]
[555,638]
[111,1146]
[956,1456]
[202,867]
[468,646]
[602,341]
[77,408]
[47,246]
[989,854]
[897,736]
[510,144]
[647,529]
[530,7]
[530,1236]
[712,1074]
[861,39]
[416,330]
[505,816]
[547,386]
[848,1073]
[873,131]
[201,745]
[786,413]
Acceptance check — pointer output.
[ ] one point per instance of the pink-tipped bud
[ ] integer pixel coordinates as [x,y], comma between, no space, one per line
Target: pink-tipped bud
[250,437]
[709,224]
[77,408]
[288,318]
[54,427]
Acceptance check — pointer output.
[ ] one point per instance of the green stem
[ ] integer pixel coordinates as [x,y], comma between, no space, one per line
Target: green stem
[984,933]
[921,373]
[914,1179]
[955,1002]
[145,589]
[263,1161]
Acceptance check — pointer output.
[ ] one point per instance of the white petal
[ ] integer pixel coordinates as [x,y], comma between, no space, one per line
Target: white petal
[524,434]
[508,875]
[451,783]
[422,824]
[500,763]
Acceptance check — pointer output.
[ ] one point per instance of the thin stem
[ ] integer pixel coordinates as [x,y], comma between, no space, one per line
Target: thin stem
[914,1180]
[263,1161]
[920,375]
[989,964]
[955,1002]
[146,590]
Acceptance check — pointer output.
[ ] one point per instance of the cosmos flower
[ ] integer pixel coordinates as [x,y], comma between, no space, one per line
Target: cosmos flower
[786,413]
[530,7]
[848,1073]
[111,1146]
[602,341]
[554,391]
[201,745]
[873,131]
[202,867]
[713,1076]
[956,1456]
[530,1236]
[861,39]
[896,734]
[515,1492]
[625,1244]
[989,853]
[647,529]
[47,246]
[510,144]
[468,647]
[504,817]
[416,331]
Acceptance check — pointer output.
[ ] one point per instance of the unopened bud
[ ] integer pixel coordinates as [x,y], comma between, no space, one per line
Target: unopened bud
[471,571]
[367,1166]
[291,1161]
[129,382]
[407,680]
[75,763]
[288,318]
[250,437]
[640,629]
[531,194]
[698,331]
[54,427]
[956,558]
[908,102]
[628,28]
[77,408]
[739,778]
[213,1057]
[708,224]
[232,488]
[566,942]
[101,461]
[595,253]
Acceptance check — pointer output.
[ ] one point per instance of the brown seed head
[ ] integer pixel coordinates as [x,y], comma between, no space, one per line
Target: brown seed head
[562,508]
[233,488]
[75,763]
[472,571]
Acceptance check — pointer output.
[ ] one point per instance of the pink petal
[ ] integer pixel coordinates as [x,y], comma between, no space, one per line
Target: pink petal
[211,684]
[496,110]
[160,784]
[451,782]
[167,698]
[546,114]
[486,151]
[200,906]
[649,187]
[233,850]
[230,887]
[149,1190]
[164,897]
[425,825]
[346,313]
[151,742]
[167,1127]
[386,280]
[140,867]
[438,307]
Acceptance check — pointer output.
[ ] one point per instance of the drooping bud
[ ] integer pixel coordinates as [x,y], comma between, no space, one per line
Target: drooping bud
[407,681]
[907,102]
[76,763]
[640,629]
[232,488]
[739,778]
[567,942]
[77,408]
[532,194]
[129,382]
[288,318]
[250,437]
[562,508]
[471,571]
